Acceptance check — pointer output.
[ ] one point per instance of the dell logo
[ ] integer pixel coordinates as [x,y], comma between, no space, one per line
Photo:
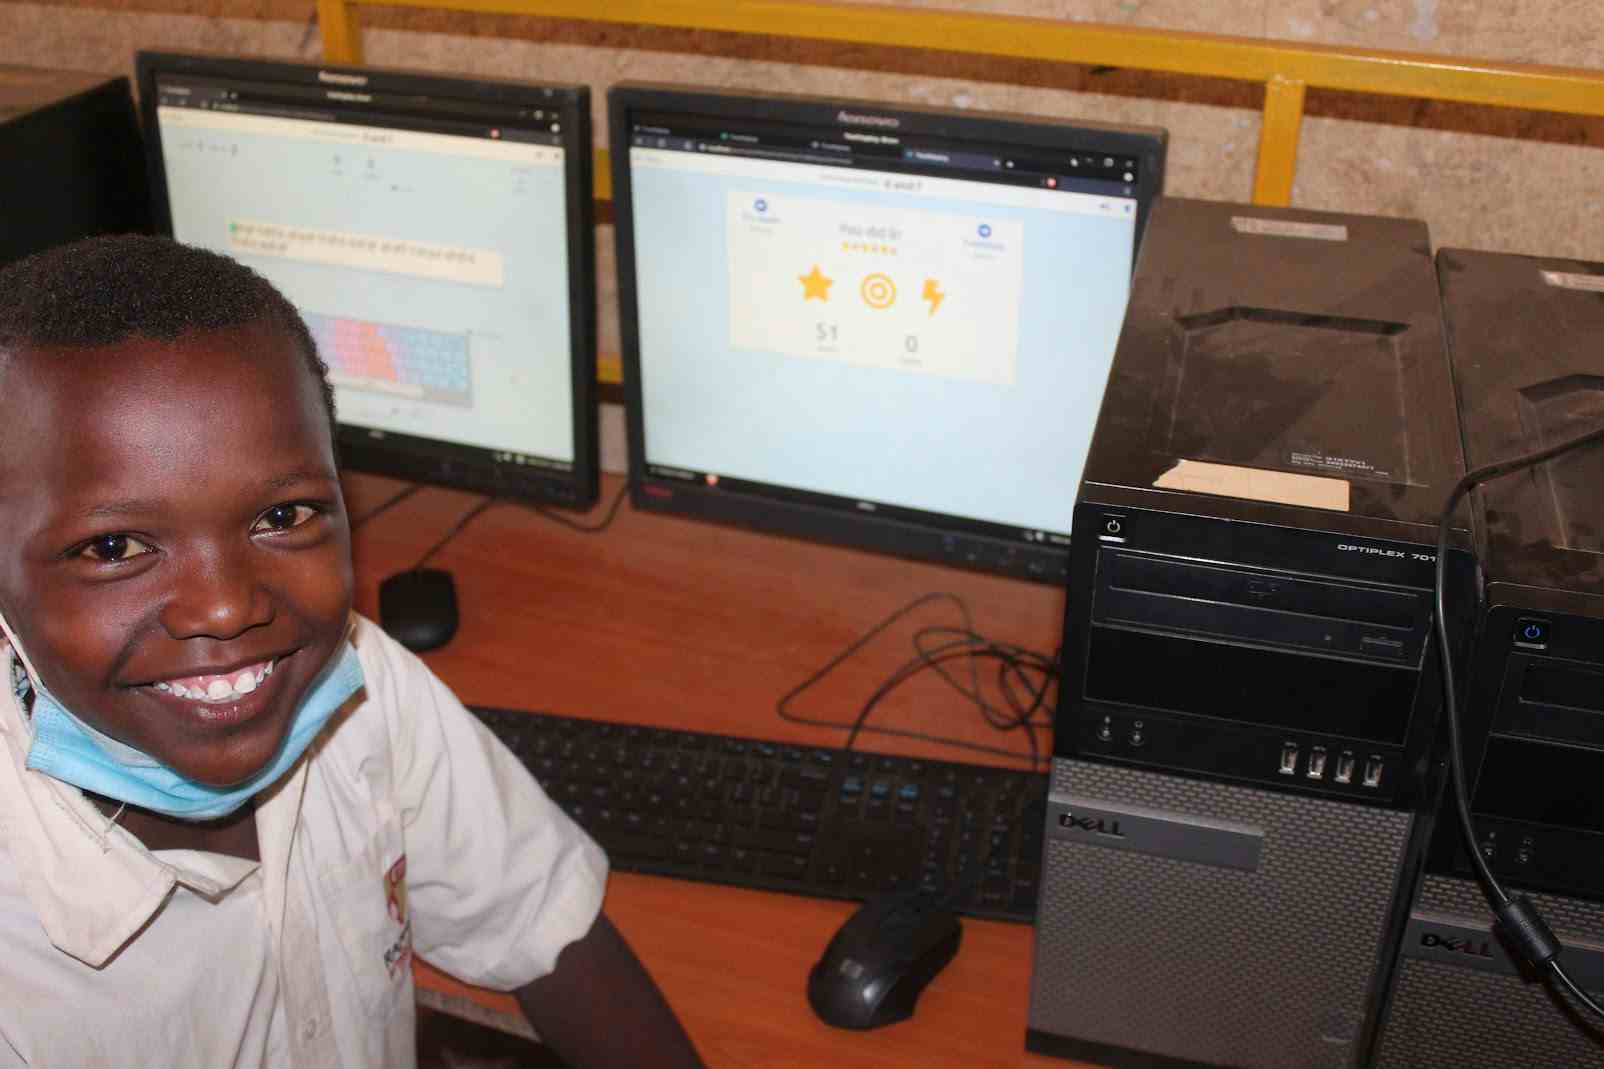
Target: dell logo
[1071,822]
[852,118]
[1476,948]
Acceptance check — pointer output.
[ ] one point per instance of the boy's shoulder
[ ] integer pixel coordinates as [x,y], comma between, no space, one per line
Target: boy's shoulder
[402,702]
[389,669]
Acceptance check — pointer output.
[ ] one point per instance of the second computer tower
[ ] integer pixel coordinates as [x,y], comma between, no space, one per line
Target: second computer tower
[1525,343]
[1243,748]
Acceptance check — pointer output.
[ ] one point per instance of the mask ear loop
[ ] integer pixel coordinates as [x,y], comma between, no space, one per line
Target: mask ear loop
[106,831]
[21,654]
[33,677]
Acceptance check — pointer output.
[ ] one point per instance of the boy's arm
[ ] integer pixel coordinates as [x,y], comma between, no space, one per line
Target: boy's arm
[600,1008]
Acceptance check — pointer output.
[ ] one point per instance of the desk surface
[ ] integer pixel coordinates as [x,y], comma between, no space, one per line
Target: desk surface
[691,625]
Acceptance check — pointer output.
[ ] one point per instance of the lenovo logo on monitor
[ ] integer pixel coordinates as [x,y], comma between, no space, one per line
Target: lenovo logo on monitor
[337,78]
[853,118]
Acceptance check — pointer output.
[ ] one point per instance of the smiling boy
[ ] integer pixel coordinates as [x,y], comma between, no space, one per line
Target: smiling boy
[230,809]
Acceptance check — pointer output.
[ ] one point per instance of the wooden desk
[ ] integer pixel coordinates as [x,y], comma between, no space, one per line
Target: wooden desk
[691,625]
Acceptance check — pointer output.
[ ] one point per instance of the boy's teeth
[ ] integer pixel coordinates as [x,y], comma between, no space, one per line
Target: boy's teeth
[219,688]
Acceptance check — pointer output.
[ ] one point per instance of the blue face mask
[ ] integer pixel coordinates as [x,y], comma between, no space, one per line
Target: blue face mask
[67,749]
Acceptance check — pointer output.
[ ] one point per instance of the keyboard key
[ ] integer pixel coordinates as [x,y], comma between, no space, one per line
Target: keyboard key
[792,866]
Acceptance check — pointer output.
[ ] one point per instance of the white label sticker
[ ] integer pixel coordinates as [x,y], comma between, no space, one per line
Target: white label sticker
[1285,228]
[1351,467]
[1567,281]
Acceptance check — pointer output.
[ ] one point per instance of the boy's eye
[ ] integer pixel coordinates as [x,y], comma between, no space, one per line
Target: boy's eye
[115,547]
[283,517]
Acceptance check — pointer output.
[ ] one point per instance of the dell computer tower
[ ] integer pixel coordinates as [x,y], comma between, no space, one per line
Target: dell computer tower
[71,160]
[1243,768]
[1526,342]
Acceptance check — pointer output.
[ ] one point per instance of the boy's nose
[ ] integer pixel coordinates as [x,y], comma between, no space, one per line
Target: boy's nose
[219,597]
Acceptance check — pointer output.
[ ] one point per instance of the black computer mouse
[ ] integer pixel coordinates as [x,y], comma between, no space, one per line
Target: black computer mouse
[419,608]
[880,961]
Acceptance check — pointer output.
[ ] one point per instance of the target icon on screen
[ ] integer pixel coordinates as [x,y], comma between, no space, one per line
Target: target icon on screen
[878,291]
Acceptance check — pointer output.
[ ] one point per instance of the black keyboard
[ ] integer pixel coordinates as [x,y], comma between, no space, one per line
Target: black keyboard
[809,820]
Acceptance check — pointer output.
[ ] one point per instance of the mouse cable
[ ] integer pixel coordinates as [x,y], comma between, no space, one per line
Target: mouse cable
[926,658]
[933,658]
[1012,662]
[1517,918]
[386,505]
[586,528]
[462,522]
[971,647]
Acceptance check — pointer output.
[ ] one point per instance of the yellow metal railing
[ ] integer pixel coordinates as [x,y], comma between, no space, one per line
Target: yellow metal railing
[1285,69]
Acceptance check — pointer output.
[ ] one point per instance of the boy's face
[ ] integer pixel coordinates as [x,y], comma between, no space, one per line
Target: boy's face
[176,558]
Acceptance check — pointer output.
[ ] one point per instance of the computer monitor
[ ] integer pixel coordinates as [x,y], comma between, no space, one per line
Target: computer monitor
[434,232]
[71,162]
[882,326]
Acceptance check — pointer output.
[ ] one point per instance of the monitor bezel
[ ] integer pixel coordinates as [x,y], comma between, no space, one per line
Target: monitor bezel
[907,533]
[427,460]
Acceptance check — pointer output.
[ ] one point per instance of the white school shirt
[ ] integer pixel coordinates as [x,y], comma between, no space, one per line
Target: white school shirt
[405,828]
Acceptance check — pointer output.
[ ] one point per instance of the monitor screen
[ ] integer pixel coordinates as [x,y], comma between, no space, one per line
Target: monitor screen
[435,233]
[873,325]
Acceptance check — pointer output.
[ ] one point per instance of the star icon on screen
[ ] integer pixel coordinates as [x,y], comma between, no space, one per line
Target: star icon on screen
[815,284]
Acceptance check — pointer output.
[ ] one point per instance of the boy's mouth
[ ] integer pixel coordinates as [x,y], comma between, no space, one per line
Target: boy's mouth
[220,688]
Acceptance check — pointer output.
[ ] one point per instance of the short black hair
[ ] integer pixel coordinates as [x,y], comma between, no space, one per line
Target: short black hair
[101,290]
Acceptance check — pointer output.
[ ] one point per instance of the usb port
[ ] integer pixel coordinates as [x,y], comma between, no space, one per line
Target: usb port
[1373,771]
[1289,759]
[1345,763]
[1317,763]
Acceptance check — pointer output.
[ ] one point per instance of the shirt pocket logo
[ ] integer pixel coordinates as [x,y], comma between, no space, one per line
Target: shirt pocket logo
[373,919]
[399,954]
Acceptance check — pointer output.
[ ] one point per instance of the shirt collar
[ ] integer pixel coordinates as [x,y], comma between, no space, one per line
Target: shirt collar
[92,885]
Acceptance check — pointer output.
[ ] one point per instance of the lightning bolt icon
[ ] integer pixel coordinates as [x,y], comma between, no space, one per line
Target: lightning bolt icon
[933,294]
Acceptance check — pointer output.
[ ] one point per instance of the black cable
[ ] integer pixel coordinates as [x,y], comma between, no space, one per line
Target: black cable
[1517,918]
[1575,990]
[864,640]
[389,503]
[469,516]
[583,528]
[466,518]
[1038,699]
[932,660]
[971,646]
[1010,658]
